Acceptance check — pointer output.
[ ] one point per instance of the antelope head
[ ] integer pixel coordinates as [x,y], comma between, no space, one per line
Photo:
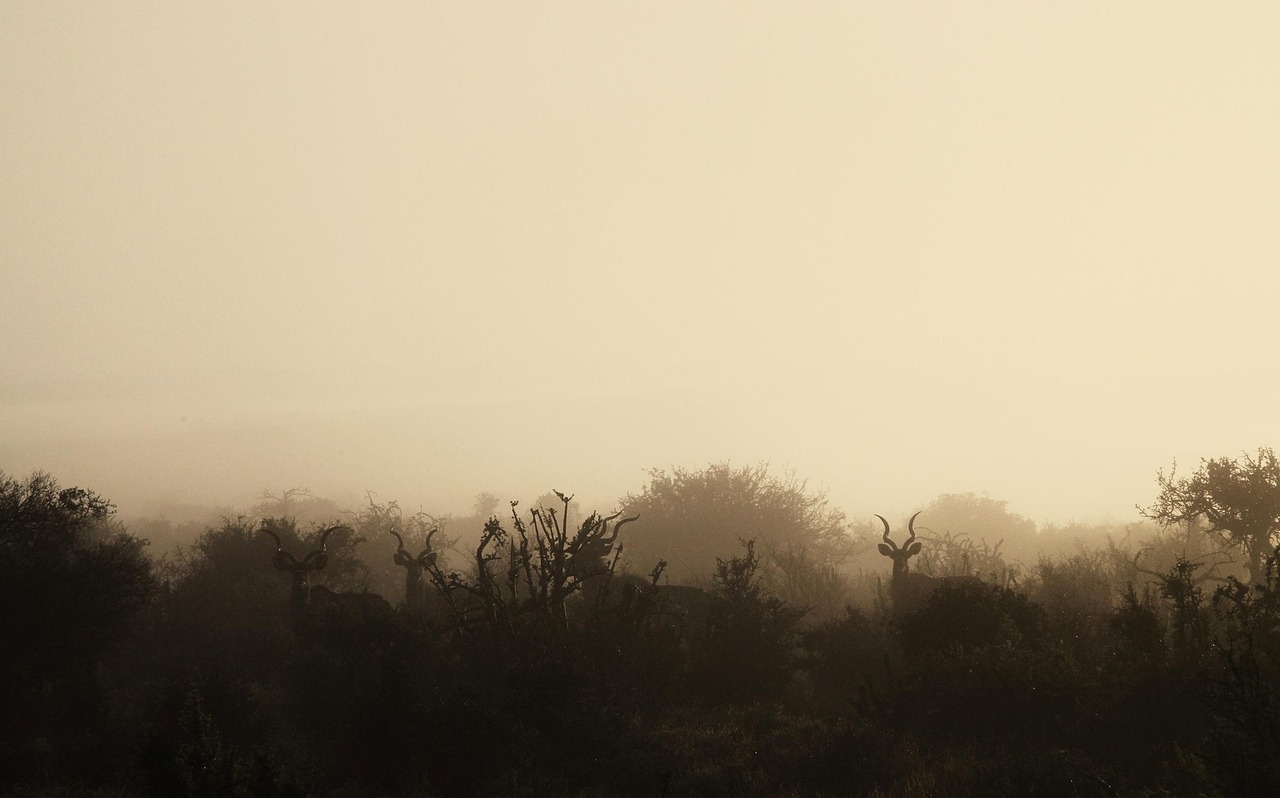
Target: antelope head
[910,591]
[900,555]
[414,587]
[301,570]
[589,550]
[425,559]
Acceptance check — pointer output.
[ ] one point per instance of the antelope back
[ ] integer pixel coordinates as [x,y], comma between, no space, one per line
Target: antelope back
[686,611]
[913,591]
[362,603]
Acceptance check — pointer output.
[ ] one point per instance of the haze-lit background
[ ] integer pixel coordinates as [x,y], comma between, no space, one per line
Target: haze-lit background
[1021,249]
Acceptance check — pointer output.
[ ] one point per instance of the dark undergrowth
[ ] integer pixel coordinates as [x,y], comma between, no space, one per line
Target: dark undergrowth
[206,684]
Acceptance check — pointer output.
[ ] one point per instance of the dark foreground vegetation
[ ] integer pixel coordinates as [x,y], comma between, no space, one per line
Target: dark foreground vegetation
[529,661]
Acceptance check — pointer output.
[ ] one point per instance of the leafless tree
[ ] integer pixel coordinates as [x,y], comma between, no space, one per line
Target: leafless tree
[524,578]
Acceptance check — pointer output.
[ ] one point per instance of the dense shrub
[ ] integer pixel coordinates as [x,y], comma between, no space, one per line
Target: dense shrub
[72,584]
[973,615]
[749,650]
[563,677]
[847,659]
[1244,685]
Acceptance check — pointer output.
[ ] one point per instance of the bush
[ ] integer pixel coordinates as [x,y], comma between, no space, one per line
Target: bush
[749,652]
[72,583]
[848,662]
[689,518]
[1244,685]
[973,615]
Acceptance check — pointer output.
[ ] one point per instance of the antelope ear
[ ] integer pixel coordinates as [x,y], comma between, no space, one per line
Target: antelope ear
[403,559]
[283,561]
[316,561]
[885,550]
[428,558]
[913,549]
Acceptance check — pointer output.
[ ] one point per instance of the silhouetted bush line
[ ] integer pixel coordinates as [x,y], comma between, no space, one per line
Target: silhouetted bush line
[538,675]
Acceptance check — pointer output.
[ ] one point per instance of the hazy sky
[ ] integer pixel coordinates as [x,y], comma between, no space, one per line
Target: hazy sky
[1027,249]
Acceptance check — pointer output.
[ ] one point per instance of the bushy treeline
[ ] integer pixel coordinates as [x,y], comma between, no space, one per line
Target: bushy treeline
[1104,673]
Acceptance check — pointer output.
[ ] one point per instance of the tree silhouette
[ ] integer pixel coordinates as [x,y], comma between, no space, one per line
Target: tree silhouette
[71,580]
[1239,498]
[692,518]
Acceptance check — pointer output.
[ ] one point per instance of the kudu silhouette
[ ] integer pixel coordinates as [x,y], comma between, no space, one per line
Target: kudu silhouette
[419,594]
[306,598]
[911,591]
